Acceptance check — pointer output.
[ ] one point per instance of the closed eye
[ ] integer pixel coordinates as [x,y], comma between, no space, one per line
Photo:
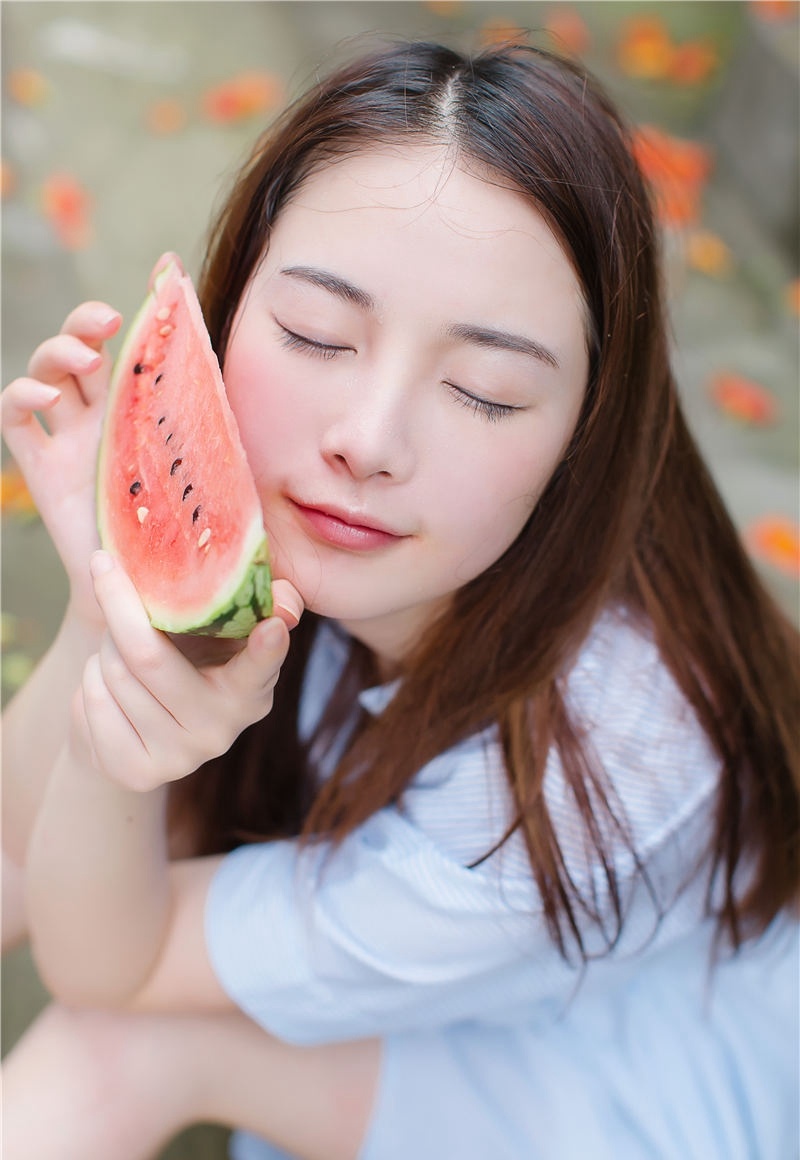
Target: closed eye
[487,407]
[294,341]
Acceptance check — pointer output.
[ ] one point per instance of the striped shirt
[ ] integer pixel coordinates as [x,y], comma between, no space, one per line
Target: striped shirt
[395,936]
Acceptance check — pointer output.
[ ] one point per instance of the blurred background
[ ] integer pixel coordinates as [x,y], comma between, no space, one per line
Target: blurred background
[124,122]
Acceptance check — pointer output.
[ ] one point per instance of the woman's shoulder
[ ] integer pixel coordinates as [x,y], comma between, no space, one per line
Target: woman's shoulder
[640,732]
[630,710]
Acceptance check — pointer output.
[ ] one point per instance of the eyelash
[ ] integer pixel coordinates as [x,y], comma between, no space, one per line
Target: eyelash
[485,407]
[324,350]
[488,409]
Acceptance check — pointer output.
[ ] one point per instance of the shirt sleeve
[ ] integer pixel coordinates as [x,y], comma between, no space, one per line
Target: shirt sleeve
[394,932]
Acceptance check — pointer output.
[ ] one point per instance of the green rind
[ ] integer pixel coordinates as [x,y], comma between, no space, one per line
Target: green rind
[251,602]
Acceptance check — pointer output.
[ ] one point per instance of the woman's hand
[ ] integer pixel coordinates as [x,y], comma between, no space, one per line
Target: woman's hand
[66,384]
[145,715]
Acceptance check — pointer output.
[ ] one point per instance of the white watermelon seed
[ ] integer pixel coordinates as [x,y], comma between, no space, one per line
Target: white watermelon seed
[205,536]
[142,513]
[163,314]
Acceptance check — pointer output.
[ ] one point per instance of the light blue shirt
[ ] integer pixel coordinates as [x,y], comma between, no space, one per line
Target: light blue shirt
[494,1045]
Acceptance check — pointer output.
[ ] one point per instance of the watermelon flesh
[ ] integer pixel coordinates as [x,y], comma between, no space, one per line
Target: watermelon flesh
[177,502]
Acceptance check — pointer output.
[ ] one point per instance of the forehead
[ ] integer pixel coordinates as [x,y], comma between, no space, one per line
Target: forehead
[426,216]
[423,183]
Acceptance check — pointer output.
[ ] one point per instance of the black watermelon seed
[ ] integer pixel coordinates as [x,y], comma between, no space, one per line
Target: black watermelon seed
[196,514]
[159,378]
[186,490]
[176,464]
[139,369]
[135,488]
[168,437]
[163,417]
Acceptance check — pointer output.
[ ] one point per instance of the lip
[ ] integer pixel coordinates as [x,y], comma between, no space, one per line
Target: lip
[353,531]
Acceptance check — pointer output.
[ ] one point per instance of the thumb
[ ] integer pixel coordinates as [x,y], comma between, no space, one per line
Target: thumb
[254,670]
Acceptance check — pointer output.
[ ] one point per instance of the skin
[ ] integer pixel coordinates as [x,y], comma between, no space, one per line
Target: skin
[388,404]
[384,421]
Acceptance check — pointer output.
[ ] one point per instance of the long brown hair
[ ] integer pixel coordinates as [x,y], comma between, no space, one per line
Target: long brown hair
[630,515]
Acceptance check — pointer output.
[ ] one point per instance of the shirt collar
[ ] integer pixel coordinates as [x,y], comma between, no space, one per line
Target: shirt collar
[375,699]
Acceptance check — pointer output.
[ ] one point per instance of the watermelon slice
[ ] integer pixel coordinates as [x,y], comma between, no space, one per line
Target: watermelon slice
[177,502]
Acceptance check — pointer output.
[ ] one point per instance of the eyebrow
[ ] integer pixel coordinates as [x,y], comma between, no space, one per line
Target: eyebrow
[478,335]
[333,284]
[502,340]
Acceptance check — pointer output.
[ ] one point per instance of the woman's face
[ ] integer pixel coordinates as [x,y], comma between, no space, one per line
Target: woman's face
[407,366]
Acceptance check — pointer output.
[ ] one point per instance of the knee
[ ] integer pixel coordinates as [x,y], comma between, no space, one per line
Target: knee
[95,1056]
[97,1077]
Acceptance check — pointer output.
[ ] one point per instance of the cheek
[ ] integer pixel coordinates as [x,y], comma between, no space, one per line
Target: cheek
[483,513]
[260,400]
[488,500]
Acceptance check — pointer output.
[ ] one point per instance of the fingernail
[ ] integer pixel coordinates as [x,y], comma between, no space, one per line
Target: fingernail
[100,563]
[292,613]
[110,316]
[49,395]
[89,359]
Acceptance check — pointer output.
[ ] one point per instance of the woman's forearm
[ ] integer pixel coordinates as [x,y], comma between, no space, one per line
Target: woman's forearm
[97,884]
[35,726]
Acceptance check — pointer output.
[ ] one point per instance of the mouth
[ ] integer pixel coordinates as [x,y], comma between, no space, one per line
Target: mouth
[353,531]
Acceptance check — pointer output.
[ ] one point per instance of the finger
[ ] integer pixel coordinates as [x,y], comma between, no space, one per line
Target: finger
[148,717]
[148,653]
[80,733]
[94,323]
[288,603]
[19,404]
[252,674]
[78,351]
[194,714]
[64,361]
[113,739]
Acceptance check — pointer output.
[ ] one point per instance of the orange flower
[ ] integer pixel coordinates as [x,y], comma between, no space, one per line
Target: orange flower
[676,170]
[793,296]
[569,31]
[693,62]
[8,179]
[645,49]
[742,399]
[775,540]
[15,499]
[247,95]
[27,87]
[66,205]
[499,32]
[775,10]
[166,117]
[443,7]
[707,252]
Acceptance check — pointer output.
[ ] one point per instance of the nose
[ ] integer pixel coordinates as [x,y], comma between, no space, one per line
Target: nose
[371,434]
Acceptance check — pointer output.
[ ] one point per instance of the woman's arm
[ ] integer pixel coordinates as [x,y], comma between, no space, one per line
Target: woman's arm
[65,387]
[34,727]
[100,893]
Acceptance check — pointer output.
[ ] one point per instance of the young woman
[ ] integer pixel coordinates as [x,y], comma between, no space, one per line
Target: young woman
[505,864]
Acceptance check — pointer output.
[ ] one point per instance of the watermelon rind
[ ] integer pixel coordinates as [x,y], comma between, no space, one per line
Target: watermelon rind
[251,602]
[242,594]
